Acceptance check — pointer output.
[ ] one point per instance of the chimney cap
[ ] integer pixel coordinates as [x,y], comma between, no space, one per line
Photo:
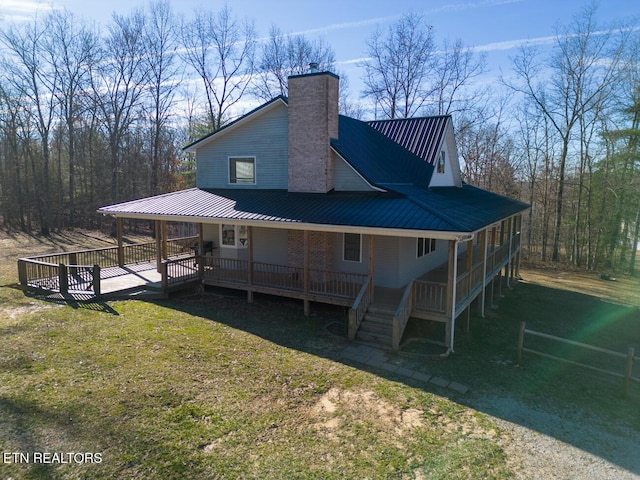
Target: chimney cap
[313,67]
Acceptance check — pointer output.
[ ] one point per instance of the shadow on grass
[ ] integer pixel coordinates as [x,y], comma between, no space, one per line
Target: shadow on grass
[558,400]
[75,301]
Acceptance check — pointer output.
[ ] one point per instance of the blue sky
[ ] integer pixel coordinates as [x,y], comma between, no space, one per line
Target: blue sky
[496,27]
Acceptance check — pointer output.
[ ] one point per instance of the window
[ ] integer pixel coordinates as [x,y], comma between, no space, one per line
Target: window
[441,162]
[242,170]
[236,236]
[352,247]
[425,246]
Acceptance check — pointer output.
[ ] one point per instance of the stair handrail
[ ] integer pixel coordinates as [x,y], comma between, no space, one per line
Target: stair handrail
[401,317]
[359,308]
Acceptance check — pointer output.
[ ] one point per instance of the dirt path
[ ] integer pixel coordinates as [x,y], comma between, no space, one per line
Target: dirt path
[544,445]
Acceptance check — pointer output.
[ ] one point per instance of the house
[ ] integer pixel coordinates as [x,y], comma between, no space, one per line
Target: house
[299,201]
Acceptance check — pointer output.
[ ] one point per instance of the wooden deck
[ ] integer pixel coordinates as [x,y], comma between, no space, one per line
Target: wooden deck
[128,270]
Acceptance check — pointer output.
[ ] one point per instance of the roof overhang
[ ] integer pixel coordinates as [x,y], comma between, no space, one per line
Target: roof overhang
[390,232]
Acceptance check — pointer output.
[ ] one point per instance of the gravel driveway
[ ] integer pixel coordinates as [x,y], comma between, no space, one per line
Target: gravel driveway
[544,445]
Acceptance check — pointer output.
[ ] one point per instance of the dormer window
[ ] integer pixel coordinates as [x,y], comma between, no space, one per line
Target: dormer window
[242,170]
[441,162]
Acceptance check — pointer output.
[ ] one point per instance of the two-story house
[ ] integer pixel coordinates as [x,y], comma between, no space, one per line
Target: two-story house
[296,200]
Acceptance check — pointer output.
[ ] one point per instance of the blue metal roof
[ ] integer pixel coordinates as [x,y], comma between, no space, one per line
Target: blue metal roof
[377,158]
[447,209]
[421,136]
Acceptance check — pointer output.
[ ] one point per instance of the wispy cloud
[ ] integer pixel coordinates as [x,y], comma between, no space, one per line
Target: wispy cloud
[20,10]
[452,7]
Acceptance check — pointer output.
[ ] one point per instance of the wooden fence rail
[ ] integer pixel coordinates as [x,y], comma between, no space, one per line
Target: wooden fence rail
[629,356]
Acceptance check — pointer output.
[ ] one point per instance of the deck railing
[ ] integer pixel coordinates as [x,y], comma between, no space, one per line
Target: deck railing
[430,297]
[285,278]
[359,308]
[278,276]
[401,316]
[179,271]
[80,270]
[61,278]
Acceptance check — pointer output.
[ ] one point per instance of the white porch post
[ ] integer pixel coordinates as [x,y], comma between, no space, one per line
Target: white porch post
[120,246]
[483,250]
[158,245]
[250,264]
[509,259]
[454,294]
[372,263]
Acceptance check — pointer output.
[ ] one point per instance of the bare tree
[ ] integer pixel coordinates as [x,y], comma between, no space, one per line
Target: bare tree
[71,49]
[161,44]
[456,68]
[576,81]
[283,55]
[118,83]
[31,77]
[398,67]
[221,50]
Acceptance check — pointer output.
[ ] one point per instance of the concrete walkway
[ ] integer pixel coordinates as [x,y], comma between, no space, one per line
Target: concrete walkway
[377,358]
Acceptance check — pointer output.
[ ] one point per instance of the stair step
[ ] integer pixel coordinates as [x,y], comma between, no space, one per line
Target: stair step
[382,309]
[376,327]
[374,337]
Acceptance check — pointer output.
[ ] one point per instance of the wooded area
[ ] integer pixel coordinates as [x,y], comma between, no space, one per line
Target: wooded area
[90,117]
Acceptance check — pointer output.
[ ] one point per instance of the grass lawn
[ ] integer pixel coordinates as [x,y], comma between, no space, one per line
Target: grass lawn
[208,386]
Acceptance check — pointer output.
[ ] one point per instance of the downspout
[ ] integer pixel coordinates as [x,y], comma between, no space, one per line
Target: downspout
[453,296]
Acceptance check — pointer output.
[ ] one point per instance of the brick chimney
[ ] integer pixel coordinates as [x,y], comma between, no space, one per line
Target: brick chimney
[313,121]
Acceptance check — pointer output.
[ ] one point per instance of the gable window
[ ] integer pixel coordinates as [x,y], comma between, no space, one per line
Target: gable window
[236,236]
[441,162]
[352,247]
[425,246]
[242,170]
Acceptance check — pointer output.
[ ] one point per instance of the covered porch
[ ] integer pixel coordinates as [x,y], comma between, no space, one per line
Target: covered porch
[440,294]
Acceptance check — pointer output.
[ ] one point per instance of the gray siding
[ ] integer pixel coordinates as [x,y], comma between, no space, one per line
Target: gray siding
[411,267]
[346,179]
[263,137]
[270,245]
[386,268]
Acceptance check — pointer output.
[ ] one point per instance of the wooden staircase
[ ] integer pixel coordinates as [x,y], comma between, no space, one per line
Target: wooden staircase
[377,325]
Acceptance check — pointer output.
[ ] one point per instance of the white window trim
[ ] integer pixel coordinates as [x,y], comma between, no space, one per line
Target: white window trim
[442,160]
[359,251]
[425,240]
[255,170]
[236,237]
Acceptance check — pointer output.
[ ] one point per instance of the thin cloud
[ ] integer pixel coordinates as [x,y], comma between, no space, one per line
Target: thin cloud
[20,10]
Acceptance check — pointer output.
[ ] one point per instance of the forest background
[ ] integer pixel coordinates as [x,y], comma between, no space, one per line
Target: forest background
[93,115]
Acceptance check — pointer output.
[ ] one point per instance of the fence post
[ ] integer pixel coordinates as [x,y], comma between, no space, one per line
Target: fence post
[627,376]
[96,281]
[521,341]
[22,272]
[165,278]
[63,278]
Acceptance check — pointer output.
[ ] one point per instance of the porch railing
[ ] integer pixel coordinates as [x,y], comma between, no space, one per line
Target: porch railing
[401,316]
[179,271]
[80,270]
[430,297]
[61,278]
[359,308]
[321,283]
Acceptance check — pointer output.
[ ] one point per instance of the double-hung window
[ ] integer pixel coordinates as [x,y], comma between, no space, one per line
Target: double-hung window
[352,247]
[242,170]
